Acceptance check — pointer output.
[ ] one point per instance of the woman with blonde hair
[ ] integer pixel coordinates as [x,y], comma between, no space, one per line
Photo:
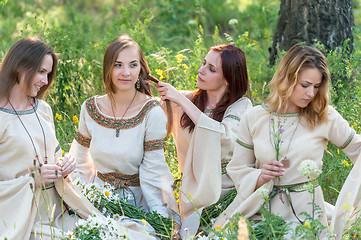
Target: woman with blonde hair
[277,138]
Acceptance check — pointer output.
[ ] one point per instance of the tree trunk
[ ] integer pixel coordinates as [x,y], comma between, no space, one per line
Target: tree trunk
[327,21]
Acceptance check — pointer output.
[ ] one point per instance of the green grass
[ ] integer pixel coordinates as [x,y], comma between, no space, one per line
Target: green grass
[80,30]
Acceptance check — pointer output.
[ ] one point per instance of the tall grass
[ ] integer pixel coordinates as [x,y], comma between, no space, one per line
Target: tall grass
[175,37]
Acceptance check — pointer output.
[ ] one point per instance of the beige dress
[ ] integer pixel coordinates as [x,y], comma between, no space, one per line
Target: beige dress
[255,146]
[26,211]
[201,155]
[137,150]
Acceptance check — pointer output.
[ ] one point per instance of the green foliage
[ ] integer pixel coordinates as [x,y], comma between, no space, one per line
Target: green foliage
[2,4]
[175,37]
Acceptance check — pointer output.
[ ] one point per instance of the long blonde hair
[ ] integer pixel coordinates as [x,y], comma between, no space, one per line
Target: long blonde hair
[298,58]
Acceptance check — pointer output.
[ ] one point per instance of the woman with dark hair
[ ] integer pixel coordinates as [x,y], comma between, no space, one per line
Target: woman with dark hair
[204,128]
[281,143]
[36,194]
[120,134]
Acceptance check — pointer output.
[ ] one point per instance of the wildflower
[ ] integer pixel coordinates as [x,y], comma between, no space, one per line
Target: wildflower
[161,73]
[75,119]
[58,117]
[309,167]
[218,227]
[233,22]
[218,206]
[144,222]
[185,66]
[107,193]
[186,229]
[180,58]
[307,224]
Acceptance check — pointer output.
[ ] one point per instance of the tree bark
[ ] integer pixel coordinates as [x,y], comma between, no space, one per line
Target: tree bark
[327,21]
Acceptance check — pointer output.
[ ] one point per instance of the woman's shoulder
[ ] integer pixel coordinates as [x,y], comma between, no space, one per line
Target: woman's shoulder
[43,106]
[242,102]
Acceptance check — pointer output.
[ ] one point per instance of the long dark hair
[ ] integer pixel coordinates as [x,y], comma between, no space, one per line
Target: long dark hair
[235,72]
[26,55]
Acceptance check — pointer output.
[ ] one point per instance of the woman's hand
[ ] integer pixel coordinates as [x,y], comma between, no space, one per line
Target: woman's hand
[167,91]
[48,173]
[67,164]
[270,170]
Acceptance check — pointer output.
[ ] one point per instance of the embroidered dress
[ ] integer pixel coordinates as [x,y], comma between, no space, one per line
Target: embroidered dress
[101,156]
[28,212]
[255,146]
[202,156]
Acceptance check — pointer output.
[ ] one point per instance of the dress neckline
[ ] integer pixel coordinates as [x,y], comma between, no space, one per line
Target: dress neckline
[119,118]
[265,107]
[25,112]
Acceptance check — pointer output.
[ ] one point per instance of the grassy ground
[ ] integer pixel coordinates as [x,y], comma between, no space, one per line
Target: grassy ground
[175,36]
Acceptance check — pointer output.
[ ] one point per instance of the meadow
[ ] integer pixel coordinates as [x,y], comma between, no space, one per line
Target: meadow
[175,35]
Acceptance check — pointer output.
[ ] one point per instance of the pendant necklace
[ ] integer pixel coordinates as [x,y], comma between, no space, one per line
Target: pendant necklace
[121,119]
[31,139]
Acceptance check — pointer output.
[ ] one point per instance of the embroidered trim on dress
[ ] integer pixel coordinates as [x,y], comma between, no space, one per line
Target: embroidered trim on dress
[265,107]
[349,139]
[223,167]
[153,145]
[84,141]
[233,117]
[118,123]
[244,144]
[22,112]
[119,180]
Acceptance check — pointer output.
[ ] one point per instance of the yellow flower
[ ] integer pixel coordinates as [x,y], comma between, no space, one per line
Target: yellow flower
[180,58]
[62,152]
[338,151]
[107,193]
[161,73]
[184,66]
[144,222]
[218,227]
[58,117]
[75,119]
[307,224]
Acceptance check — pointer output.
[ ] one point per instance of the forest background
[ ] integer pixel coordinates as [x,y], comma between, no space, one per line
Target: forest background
[175,36]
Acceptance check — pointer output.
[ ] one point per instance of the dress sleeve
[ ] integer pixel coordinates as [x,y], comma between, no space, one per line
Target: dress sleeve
[155,177]
[211,142]
[229,125]
[16,207]
[343,136]
[242,167]
[85,170]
